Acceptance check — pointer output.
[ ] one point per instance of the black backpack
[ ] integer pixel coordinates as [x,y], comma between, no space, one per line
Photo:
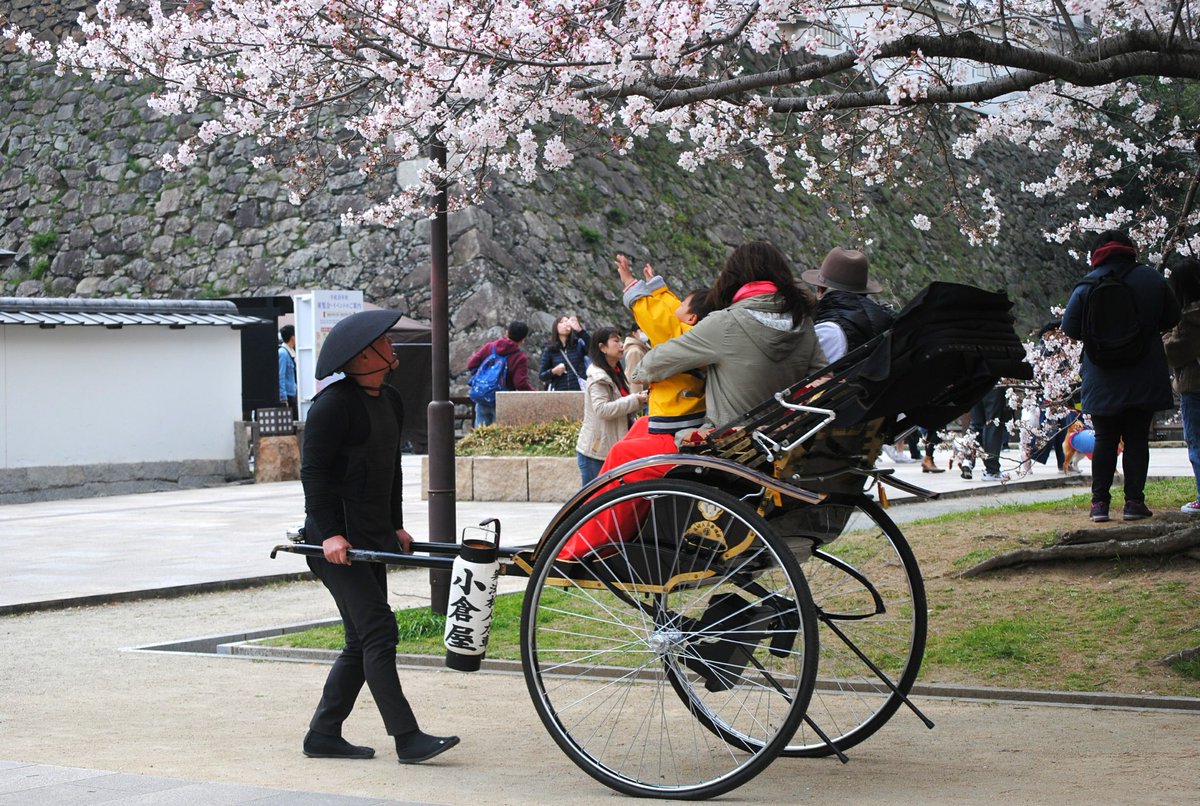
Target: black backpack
[1110,327]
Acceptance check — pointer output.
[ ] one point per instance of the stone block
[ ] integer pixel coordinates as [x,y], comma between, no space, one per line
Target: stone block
[463,466]
[277,459]
[500,478]
[524,408]
[552,479]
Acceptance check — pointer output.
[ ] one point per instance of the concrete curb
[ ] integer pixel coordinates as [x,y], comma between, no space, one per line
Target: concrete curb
[171,592]
[1086,699]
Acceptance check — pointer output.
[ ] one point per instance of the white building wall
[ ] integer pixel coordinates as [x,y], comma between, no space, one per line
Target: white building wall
[90,395]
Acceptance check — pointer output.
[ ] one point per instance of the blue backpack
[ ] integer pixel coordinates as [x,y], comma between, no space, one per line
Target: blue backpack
[489,378]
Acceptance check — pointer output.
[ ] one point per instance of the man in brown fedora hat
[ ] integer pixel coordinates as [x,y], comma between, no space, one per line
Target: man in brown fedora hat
[845,317]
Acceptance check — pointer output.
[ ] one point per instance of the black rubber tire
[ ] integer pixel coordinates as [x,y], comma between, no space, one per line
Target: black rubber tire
[599,639]
[850,702]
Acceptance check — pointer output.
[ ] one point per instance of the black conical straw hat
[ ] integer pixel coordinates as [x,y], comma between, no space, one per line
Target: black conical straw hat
[351,336]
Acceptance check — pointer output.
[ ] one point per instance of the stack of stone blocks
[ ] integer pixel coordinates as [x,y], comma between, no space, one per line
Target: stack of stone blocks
[551,479]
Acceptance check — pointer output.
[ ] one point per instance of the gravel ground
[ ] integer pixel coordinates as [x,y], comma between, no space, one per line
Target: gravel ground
[73,694]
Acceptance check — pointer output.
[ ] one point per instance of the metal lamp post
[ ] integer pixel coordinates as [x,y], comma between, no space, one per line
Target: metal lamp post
[442,527]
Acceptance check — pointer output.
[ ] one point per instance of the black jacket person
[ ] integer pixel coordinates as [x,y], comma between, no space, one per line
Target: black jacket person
[846,318]
[352,499]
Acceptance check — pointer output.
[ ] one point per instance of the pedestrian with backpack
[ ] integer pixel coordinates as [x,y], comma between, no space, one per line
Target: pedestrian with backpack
[499,365]
[1119,311]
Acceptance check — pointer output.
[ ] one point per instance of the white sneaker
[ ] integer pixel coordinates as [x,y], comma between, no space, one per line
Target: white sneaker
[898,456]
[1000,477]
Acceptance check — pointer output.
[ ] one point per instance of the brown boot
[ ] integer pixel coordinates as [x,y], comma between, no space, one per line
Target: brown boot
[927,466]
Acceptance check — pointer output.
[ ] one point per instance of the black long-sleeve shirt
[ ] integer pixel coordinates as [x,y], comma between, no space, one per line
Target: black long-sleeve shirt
[353,482]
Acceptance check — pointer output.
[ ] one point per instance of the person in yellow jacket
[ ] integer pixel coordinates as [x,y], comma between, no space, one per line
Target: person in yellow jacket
[676,403]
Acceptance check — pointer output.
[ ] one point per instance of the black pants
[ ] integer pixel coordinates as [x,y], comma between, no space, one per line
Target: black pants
[369,656]
[914,444]
[1133,427]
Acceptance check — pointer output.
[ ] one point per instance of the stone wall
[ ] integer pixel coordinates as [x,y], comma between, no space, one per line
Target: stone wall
[527,408]
[89,213]
[24,484]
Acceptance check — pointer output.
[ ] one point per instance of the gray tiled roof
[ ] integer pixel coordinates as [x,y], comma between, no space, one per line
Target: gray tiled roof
[112,313]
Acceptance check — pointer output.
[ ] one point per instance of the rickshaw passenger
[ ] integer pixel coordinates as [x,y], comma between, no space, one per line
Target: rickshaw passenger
[758,339]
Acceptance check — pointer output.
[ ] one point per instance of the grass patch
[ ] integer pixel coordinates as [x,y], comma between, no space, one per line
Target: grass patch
[43,243]
[1095,625]
[1188,668]
[988,648]
[421,632]
[974,558]
[1163,494]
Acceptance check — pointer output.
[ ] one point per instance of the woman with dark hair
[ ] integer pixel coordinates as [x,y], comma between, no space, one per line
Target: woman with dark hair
[1182,344]
[761,262]
[758,339]
[565,359]
[607,403]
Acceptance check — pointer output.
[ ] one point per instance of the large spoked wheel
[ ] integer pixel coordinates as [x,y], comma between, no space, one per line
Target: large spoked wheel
[675,655]
[871,606]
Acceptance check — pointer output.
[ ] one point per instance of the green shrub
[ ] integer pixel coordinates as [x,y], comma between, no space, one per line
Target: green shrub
[43,242]
[617,215]
[555,438]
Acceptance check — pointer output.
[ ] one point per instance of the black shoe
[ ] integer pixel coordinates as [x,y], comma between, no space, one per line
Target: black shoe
[964,471]
[415,746]
[322,745]
[1136,511]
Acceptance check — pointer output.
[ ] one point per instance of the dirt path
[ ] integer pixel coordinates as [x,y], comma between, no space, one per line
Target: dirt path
[72,696]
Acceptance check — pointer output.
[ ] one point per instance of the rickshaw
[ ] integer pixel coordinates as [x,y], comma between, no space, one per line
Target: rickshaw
[756,600]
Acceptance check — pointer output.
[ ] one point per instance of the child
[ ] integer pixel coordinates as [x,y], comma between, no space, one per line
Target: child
[676,404]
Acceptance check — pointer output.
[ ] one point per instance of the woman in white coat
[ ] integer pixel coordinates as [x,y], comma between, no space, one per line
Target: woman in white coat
[607,403]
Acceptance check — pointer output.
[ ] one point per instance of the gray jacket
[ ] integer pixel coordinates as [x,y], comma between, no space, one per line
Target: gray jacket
[751,351]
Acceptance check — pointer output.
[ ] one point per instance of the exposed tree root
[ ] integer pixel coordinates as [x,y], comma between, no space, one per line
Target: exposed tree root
[1140,531]
[1143,540]
[1182,656]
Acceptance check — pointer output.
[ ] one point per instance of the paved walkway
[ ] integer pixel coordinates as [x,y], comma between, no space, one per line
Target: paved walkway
[45,785]
[127,547]
[84,551]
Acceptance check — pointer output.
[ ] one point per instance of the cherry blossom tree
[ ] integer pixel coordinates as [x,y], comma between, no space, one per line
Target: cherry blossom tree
[836,96]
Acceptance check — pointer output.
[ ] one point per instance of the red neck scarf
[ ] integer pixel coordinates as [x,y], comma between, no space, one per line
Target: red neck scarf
[759,288]
[1110,250]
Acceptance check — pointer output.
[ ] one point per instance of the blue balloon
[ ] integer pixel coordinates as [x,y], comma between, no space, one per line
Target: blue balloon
[1084,441]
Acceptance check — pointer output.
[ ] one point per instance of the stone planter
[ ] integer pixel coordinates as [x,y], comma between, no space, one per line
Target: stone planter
[548,479]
